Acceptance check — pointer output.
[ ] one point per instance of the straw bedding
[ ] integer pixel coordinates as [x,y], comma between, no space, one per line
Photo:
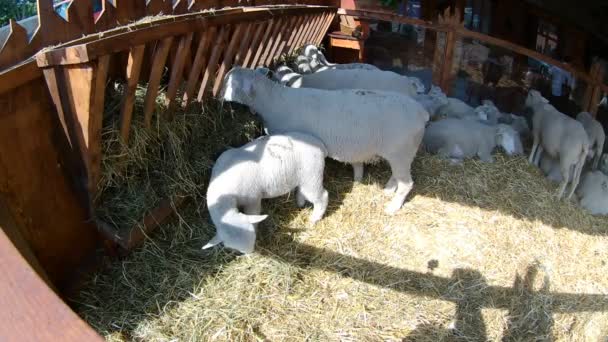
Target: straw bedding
[479,252]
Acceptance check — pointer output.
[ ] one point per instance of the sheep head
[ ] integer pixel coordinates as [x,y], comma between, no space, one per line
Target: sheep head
[236,231]
[238,84]
[535,98]
[508,139]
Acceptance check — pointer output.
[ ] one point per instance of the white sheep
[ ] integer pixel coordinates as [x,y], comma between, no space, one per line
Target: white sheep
[457,139]
[458,109]
[334,79]
[267,167]
[559,136]
[593,193]
[596,135]
[303,65]
[433,100]
[356,126]
[551,169]
[318,60]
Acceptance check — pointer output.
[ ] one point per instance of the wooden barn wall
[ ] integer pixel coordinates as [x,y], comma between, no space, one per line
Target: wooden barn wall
[35,185]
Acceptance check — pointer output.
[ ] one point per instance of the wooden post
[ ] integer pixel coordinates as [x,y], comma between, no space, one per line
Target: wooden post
[593,93]
[453,22]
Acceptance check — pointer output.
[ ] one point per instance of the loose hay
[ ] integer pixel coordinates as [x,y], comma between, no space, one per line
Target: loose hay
[480,252]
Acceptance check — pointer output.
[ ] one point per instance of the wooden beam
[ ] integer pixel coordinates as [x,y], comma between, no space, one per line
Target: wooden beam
[200,63]
[283,30]
[133,68]
[218,48]
[177,73]
[318,27]
[288,31]
[446,74]
[294,33]
[301,39]
[311,29]
[245,43]
[299,31]
[19,75]
[237,36]
[326,26]
[158,66]
[94,144]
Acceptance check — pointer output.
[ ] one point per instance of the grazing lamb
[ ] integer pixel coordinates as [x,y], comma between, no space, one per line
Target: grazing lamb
[596,135]
[593,193]
[318,60]
[267,167]
[334,79]
[560,137]
[457,139]
[355,125]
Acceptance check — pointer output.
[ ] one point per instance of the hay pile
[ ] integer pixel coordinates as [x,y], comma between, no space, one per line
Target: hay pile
[480,252]
[172,158]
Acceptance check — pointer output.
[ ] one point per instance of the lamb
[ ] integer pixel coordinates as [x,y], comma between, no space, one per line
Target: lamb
[458,109]
[593,193]
[561,137]
[318,59]
[432,101]
[267,167]
[596,135]
[347,121]
[551,169]
[350,79]
[457,139]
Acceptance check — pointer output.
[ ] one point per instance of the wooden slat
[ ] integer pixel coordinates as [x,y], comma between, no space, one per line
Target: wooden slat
[96,122]
[294,32]
[287,34]
[158,66]
[177,72]
[270,42]
[231,50]
[255,41]
[275,45]
[19,75]
[384,16]
[133,68]
[312,29]
[218,48]
[245,43]
[327,20]
[200,63]
[448,61]
[262,43]
[300,37]
[316,28]
[15,45]
[29,309]
[299,29]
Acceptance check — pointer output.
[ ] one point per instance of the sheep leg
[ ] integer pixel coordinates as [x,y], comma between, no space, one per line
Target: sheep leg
[319,198]
[596,160]
[403,177]
[577,175]
[539,153]
[391,186]
[358,171]
[565,169]
[300,199]
[534,149]
[254,208]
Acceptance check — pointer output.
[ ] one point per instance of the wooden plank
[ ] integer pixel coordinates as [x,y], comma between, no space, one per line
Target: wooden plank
[46,194]
[311,29]
[158,66]
[294,32]
[261,44]
[315,32]
[15,45]
[19,75]
[255,41]
[218,48]
[299,31]
[29,309]
[302,31]
[323,32]
[280,39]
[287,34]
[177,74]
[97,96]
[446,73]
[384,16]
[133,68]
[237,36]
[155,218]
[271,42]
[245,43]
[200,63]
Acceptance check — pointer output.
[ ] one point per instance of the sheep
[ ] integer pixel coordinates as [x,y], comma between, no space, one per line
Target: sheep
[457,139]
[604,164]
[432,101]
[346,120]
[334,79]
[303,65]
[551,169]
[593,193]
[596,134]
[313,54]
[267,167]
[561,137]
[458,109]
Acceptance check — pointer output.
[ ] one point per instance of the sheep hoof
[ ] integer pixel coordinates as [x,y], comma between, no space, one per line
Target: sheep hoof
[300,200]
[314,219]
[392,208]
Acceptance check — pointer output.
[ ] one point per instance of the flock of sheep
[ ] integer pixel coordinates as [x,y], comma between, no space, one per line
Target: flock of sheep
[356,113]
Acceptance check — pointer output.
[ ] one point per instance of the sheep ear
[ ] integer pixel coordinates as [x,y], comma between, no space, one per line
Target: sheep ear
[253,219]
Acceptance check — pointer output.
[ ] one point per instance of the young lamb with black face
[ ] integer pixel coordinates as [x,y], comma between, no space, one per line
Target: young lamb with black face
[356,126]
[596,135]
[457,139]
[267,167]
[559,136]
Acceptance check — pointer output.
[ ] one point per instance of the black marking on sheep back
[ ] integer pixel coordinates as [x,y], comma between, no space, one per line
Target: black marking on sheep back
[275,150]
[364,92]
